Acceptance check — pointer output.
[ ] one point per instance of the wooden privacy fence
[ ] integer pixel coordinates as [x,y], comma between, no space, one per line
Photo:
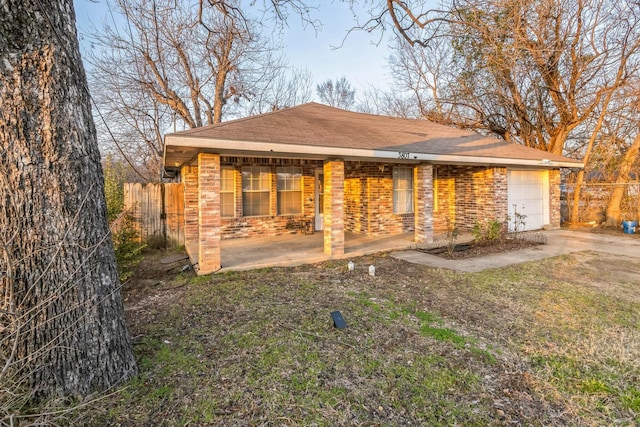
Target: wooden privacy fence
[157,211]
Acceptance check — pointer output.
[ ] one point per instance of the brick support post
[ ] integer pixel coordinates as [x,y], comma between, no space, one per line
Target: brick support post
[209,213]
[334,207]
[189,176]
[500,195]
[423,184]
[554,198]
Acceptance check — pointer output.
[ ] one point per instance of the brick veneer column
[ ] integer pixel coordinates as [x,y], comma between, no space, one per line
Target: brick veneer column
[554,198]
[423,185]
[190,181]
[500,196]
[209,213]
[334,207]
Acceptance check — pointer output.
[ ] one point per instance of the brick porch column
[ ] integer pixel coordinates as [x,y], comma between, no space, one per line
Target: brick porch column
[333,207]
[423,183]
[499,199]
[189,175]
[209,213]
[554,198]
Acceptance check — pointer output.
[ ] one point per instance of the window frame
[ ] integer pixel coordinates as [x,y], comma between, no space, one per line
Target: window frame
[407,192]
[281,189]
[251,191]
[231,191]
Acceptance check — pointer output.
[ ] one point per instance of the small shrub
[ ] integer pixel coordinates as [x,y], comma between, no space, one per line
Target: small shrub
[489,230]
[452,235]
[114,178]
[518,224]
[127,250]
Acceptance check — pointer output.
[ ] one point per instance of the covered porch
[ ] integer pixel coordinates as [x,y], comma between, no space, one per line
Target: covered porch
[296,249]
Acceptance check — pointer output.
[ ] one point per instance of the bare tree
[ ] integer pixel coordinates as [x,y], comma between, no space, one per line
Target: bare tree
[338,94]
[177,65]
[285,90]
[387,103]
[530,72]
[423,74]
[628,160]
[618,156]
[62,327]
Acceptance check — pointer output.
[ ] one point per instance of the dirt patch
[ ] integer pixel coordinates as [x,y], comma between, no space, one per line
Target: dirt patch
[153,283]
[478,249]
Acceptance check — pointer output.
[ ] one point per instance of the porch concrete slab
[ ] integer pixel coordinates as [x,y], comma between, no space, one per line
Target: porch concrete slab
[291,250]
[559,242]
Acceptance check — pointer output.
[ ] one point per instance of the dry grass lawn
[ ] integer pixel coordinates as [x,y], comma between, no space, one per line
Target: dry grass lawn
[555,342]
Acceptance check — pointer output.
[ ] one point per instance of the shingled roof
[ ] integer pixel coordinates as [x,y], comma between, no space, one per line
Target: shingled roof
[318,131]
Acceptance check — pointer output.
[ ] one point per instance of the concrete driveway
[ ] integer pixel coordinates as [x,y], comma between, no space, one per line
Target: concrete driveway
[559,242]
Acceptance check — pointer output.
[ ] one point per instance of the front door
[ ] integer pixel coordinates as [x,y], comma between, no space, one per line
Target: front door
[319,199]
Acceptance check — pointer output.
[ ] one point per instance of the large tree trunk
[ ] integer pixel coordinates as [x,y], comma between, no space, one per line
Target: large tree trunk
[613,208]
[62,293]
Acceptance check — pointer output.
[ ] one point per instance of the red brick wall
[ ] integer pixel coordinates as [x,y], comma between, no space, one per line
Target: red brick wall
[369,200]
[190,180]
[465,194]
[270,225]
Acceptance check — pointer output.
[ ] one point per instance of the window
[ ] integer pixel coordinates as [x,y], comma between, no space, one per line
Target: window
[402,190]
[435,183]
[227,192]
[255,191]
[289,180]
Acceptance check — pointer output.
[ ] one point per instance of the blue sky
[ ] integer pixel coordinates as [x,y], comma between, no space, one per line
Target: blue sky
[359,60]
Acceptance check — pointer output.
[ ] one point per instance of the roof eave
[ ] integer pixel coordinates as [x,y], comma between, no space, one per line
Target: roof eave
[323,152]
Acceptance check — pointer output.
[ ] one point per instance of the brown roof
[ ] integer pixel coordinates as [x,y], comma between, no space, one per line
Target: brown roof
[329,130]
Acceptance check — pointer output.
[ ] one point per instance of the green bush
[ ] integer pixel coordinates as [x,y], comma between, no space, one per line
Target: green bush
[123,233]
[128,251]
[489,230]
[114,178]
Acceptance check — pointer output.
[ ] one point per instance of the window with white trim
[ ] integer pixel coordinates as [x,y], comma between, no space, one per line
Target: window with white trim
[289,184]
[256,191]
[227,192]
[402,189]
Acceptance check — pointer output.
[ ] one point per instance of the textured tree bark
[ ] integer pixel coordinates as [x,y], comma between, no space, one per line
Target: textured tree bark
[53,220]
[613,214]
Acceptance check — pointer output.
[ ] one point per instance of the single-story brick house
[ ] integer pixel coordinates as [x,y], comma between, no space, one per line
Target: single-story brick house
[318,168]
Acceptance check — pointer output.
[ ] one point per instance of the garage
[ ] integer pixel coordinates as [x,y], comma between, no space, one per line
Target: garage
[528,195]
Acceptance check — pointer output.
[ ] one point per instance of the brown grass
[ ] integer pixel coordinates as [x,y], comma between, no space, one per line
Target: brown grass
[547,343]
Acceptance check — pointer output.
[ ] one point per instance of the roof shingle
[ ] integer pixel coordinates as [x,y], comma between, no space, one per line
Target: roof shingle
[317,125]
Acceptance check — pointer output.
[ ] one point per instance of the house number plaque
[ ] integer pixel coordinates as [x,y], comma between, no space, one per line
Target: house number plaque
[403,154]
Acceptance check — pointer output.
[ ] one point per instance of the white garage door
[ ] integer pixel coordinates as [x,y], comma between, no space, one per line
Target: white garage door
[527,197]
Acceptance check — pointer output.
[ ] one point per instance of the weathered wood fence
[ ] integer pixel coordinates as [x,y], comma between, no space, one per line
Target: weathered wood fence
[157,211]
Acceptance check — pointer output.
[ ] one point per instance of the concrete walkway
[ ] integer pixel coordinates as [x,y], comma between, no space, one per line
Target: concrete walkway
[559,242]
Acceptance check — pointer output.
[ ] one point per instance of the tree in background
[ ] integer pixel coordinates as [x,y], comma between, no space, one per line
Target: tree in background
[530,72]
[289,88]
[63,330]
[337,94]
[178,65]
[387,103]
[618,157]
[424,75]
